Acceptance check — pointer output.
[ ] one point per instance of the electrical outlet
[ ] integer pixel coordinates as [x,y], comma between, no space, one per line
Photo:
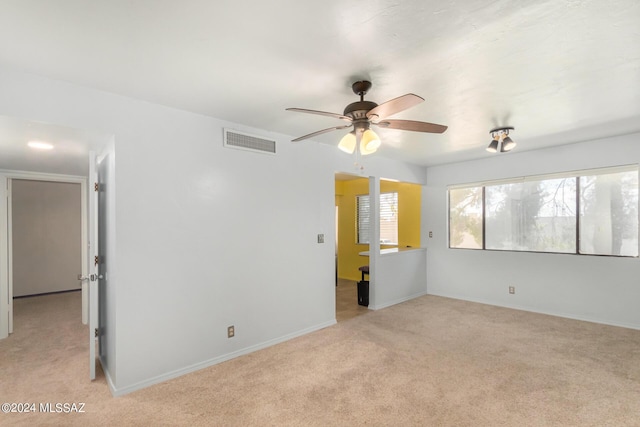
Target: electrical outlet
[320,238]
[430,234]
[231,331]
[512,289]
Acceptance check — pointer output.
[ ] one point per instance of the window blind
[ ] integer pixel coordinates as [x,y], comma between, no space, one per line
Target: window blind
[362,219]
[388,219]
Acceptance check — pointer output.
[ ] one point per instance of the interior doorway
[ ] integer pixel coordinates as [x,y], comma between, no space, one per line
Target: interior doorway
[46,236]
[34,150]
[347,258]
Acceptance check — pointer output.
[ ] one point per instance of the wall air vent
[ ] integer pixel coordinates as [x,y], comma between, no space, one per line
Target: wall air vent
[243,141]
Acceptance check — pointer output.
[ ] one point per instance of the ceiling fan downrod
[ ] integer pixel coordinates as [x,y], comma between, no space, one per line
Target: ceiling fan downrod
[358,110]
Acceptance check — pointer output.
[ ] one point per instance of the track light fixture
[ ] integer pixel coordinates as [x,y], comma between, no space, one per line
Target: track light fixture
[500,137]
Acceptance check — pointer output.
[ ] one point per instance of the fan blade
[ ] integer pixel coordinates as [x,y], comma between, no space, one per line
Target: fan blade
[322,113]
[320,132]
[394,106]
[412,125]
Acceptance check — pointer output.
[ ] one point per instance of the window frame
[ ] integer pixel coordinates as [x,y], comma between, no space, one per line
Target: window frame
[357,221]
[573,174]
[482,220]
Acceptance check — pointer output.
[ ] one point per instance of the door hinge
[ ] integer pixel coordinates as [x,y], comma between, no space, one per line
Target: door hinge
[96,186]
[95,260]
[95,331]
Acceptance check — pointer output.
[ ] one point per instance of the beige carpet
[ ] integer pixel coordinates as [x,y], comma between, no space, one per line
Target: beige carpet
[347,301]
[428,362]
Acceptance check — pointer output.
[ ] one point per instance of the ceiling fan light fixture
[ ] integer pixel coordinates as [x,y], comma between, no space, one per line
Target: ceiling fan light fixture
[348,143]
[364,151]
[370,142]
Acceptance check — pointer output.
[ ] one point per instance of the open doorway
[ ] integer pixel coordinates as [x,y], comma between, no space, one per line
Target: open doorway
[348,259]
[46,236]
[28,267]
[37,151]
[44,247]
[397,226]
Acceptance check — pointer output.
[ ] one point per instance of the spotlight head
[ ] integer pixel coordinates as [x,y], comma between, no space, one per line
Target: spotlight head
[493,147]
[507,144]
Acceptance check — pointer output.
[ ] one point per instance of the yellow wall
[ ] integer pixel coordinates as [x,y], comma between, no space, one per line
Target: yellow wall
[409,199]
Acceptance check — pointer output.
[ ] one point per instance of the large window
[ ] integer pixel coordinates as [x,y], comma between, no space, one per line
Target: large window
[609,214]
[388,219]
[465,218]
[537,216]
[594,212]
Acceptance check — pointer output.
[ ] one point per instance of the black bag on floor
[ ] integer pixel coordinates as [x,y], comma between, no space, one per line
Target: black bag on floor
[363,293]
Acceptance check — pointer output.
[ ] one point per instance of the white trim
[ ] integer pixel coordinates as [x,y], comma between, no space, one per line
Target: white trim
[38,176]
[545,312]
[398,301]
[10,250]
[6,286]
[568,174]
[107,375]
[4,273]
[205,364]
[374,236]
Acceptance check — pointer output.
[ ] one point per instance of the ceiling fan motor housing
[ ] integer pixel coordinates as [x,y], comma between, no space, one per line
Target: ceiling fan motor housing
[358,110]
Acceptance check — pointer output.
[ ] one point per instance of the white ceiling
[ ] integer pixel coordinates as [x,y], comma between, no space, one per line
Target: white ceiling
[69,157]
[559,71]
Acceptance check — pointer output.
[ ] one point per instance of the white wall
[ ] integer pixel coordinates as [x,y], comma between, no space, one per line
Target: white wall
[46,235]
[399,277]
[207,236]
[599,289]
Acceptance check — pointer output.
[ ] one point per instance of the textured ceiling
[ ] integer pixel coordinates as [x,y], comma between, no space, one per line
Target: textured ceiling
[559,71]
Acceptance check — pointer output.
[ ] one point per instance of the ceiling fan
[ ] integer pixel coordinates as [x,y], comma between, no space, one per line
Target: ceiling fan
[362,114]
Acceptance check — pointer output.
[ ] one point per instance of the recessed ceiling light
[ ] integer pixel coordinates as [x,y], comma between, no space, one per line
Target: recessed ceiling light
[39,145]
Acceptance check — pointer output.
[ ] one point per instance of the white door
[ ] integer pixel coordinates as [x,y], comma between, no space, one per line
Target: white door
[93,267]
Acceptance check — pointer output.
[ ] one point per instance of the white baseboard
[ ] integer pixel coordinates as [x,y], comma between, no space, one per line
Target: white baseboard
[107,375]
[214,361]
[398,301]
[548,313]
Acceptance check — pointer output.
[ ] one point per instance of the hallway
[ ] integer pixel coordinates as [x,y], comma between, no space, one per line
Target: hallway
[347,301]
